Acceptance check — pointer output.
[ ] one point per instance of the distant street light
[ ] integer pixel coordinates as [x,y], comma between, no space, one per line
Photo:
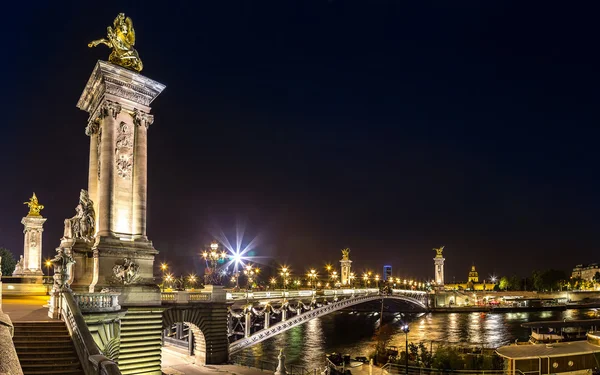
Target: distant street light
[48,263]
[312,275]
[285,273]
[163,268]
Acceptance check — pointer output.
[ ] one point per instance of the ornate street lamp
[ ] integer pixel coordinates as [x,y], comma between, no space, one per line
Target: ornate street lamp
[192,280]
[406,329]
[312,275]
[163,268]
[377,280]
[365,278]
[212,258]
[351,278]
[285,273]
[48,263]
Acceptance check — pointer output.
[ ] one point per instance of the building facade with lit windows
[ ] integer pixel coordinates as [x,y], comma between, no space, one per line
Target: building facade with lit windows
[585,272]
[387,272]
[472,283]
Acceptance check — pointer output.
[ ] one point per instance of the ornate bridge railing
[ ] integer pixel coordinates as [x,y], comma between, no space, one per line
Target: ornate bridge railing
[97,302]
[315,310]
[185,297]
[92,359]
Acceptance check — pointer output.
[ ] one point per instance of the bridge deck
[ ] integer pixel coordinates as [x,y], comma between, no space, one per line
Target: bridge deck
[26,308]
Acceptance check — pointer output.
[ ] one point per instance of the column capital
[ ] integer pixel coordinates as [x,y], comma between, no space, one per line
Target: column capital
[110,108]
[92,128]
[142,118]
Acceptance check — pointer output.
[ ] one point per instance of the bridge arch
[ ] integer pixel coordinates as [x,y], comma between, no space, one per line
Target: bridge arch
[208,324]
[315,313]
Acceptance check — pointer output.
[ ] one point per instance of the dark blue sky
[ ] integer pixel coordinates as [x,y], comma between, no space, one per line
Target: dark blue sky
[386,127]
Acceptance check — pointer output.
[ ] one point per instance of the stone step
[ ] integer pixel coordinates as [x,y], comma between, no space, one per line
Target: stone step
[135,352]
[23,341]
[56,354]
[33,331]
[154,322]
[40,347]
[54,372]
[46,337]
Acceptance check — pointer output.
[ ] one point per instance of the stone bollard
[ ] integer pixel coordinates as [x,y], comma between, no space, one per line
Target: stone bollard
[281,370]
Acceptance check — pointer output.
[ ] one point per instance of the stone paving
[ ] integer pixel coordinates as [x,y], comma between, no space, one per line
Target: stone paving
[26,309]
[174,363]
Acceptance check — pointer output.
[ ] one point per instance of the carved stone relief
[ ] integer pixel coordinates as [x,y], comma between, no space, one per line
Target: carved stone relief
[124,150]
[126,273]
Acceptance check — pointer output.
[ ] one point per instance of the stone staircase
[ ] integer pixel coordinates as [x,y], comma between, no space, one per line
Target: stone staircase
[45,348]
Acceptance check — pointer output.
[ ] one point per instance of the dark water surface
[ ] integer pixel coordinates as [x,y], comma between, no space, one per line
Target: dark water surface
[352,333]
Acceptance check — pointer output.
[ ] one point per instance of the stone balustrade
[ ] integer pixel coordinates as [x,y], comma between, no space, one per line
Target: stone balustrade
[98,302]
[185,297]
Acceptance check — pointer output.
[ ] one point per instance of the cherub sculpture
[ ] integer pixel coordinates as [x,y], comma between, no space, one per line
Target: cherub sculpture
[121,38]
[34,206]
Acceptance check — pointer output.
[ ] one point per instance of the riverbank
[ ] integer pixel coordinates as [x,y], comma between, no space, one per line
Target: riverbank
[511,309]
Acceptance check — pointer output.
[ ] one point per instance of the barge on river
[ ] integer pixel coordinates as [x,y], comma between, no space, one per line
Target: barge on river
[553,331]
[572,358]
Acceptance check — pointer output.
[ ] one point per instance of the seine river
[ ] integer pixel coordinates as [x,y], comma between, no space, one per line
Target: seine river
[352,333]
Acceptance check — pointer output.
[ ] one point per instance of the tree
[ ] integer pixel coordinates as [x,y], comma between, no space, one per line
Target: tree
[503,283]
[8,262]
[596,277]
[514,283]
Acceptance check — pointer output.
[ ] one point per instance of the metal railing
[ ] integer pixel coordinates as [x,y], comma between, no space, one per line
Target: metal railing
[393,368]
[92,359]
[263,365]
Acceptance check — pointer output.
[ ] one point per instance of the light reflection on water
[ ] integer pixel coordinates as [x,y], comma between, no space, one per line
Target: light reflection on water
[352,333]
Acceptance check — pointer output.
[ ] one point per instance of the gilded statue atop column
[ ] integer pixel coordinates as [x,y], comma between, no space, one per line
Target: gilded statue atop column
[34,206]
[121,38]
[346,254]
[83,224]
[438,251]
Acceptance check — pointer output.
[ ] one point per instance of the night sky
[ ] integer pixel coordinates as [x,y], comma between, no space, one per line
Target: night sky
[387,127]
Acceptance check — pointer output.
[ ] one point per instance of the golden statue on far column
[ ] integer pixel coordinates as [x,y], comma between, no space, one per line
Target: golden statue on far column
[121,38]
[34,206]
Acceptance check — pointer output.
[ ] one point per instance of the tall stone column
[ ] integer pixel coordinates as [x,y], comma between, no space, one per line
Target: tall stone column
[118,101]
[32,246]
[439,268]
[345,266]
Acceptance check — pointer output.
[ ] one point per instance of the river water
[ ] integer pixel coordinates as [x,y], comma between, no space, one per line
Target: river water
[352,333]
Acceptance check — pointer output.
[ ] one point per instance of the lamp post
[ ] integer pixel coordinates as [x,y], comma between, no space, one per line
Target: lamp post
[192,280]
[351,278]
[406,329]
[334,277]
[365,278]
[312,275]
[168,278]
[377,281]
[285,273]
[48,263]
[212,258]
[163,268]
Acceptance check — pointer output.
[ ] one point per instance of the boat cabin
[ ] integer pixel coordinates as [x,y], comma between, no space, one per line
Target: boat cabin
[559,330]
[573,358]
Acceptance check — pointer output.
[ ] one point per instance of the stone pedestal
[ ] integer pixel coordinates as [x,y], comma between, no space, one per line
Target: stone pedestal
[32,248]
[345,265]
[121,258]
[439,271]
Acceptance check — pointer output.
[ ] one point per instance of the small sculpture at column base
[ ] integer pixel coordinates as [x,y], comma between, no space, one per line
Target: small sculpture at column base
[281,370]
[83,224]
[19,267]
[62,263]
